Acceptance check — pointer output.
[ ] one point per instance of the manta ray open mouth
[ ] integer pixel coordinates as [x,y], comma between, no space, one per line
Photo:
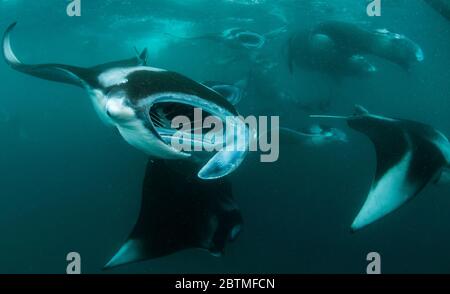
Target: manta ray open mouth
[251,39]
[172,119]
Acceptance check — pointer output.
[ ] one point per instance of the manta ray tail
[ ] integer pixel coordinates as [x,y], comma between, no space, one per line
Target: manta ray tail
[54,72]
[180,211]
[358,111]
[286,136]
[328,116]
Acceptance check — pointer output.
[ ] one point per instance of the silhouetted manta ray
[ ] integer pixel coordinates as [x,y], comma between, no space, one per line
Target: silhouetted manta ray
[141,101]
[340,48]
[238,37]
[409,156]
[180,211]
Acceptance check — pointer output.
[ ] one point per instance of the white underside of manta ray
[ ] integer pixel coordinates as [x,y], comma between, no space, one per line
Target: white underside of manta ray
[141,101]
[409,156]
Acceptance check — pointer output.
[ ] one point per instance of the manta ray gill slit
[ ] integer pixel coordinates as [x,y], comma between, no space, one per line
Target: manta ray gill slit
[163,116]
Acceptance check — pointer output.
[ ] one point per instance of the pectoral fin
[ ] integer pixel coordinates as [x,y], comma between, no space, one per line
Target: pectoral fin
[77,76]
[408,158]
[231,155]
[54,72]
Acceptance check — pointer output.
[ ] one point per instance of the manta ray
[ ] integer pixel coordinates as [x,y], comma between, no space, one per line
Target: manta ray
[341,48]
[141,101]
[179,211]
[315,135]
[238,37]
[409,156]
[244,44]
[181,207]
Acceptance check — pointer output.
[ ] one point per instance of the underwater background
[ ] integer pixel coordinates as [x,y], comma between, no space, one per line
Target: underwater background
[69,183]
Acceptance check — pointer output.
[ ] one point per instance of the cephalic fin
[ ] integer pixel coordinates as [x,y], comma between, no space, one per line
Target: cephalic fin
[230,156]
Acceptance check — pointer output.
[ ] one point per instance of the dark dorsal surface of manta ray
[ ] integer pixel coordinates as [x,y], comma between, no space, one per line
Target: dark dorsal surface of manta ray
[354,40]
[179,211]
[409,156]
[141,101]
[441,6]
[319,53]
[341,48]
